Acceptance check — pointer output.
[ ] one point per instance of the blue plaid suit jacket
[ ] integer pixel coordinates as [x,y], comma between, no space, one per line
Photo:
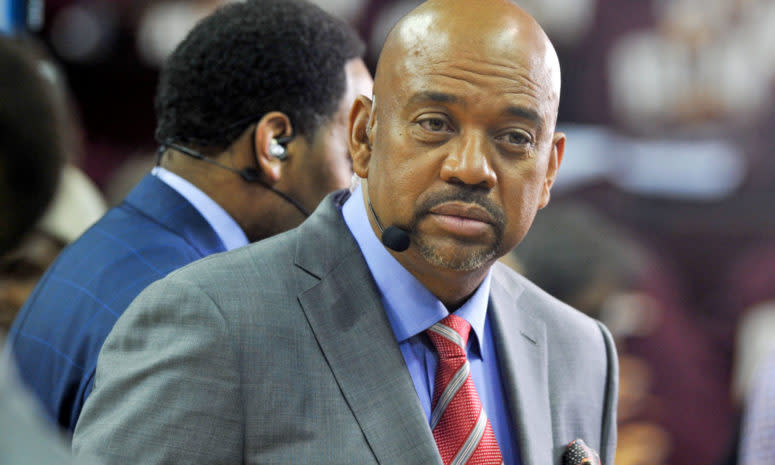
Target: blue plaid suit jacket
[57,335]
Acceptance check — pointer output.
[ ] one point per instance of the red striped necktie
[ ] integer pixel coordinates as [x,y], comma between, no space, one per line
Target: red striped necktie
[460,426]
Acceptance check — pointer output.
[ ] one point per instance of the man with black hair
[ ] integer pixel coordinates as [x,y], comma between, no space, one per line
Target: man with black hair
[252,112]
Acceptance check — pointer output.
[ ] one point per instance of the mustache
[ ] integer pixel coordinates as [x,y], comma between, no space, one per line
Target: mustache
[466,194]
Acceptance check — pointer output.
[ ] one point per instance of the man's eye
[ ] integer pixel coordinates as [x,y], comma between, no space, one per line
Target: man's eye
[516,137]
[434,125]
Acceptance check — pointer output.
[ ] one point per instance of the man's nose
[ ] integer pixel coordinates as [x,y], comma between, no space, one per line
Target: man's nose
[468,163]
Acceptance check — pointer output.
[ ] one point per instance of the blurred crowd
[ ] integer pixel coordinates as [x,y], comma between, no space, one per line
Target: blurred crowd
[659,224]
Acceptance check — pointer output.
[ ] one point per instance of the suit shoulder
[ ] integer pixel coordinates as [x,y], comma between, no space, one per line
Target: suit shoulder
[571,336]
[124,231]
[557,315]
[266,257]
[115,256]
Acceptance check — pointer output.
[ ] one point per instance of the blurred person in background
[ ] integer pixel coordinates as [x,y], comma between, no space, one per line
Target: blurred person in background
[31,157]
[77,202]
[580,257]
[252,114]
[76,205]
[28,127]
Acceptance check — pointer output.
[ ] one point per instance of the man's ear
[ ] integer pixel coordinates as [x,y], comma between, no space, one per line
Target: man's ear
[271,126]
[555,158]
[361,132]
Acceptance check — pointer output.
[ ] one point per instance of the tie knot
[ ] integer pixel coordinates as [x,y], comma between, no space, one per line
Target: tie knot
[450,336]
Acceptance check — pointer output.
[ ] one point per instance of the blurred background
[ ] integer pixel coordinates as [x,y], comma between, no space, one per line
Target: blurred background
[661,222]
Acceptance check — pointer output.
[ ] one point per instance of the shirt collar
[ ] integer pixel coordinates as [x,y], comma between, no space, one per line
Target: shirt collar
[410,307]
[228,231]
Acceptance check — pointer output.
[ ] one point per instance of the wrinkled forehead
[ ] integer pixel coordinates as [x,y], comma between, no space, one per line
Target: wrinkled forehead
[432,41]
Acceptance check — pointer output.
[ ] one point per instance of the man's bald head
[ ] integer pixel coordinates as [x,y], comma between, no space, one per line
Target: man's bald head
[495,30]
[458,146]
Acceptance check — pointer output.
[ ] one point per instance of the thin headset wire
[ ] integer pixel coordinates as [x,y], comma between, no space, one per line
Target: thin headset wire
[194,154]
[374,214]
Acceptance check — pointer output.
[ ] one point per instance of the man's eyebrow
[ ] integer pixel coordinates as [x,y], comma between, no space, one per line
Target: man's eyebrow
[438,97]
[525,113]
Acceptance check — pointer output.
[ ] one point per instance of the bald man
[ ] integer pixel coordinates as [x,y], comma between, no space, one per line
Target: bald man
[382,330]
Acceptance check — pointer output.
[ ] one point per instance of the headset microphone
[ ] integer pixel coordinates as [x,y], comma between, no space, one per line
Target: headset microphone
[393,237]
[396,238]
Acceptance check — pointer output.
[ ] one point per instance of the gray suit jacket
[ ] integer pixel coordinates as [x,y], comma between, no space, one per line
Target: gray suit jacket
[281,353]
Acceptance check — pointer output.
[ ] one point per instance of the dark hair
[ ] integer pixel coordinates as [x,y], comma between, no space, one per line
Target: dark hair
[31,152]
[250,58]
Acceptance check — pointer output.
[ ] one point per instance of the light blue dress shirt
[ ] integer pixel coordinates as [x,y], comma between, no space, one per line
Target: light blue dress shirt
[224,225]
[411,309]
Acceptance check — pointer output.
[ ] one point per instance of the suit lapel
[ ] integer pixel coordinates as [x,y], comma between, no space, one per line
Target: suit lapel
[345,313]
[520,340]
[158,201]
